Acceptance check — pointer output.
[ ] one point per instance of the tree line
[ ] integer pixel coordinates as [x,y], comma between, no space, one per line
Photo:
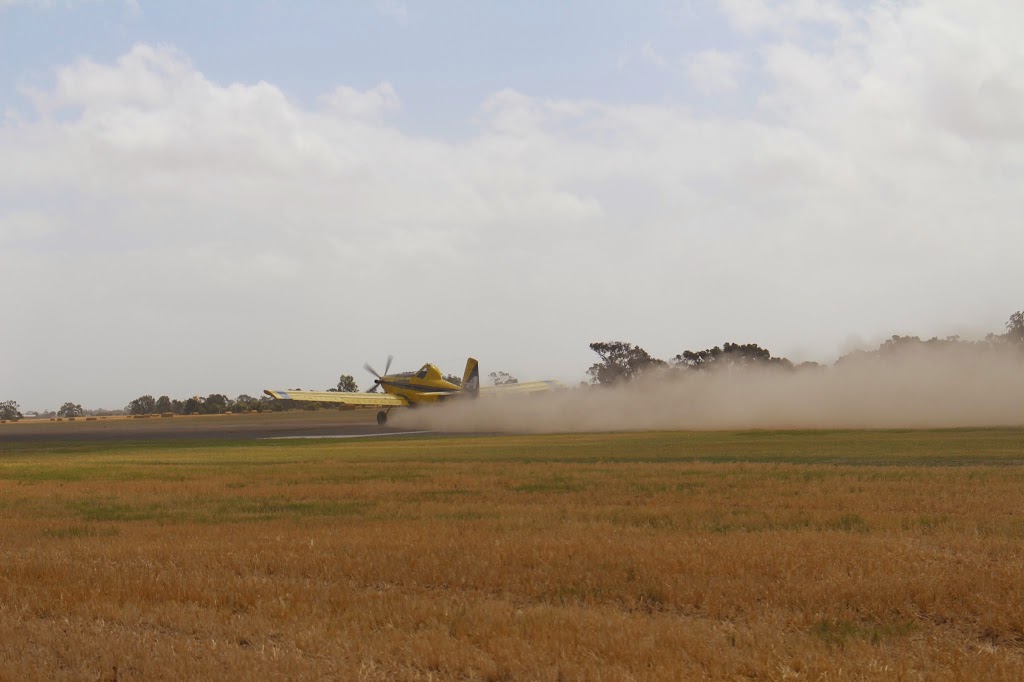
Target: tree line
[621,361]
[618,361]
[215,403]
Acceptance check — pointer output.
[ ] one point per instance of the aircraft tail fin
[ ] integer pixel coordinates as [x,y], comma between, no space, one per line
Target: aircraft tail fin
[471,378]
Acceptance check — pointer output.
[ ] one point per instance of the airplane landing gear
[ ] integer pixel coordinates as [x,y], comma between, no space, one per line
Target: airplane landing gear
[382,418]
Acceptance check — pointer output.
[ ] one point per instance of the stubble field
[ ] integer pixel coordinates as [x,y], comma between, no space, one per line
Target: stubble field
[732,555]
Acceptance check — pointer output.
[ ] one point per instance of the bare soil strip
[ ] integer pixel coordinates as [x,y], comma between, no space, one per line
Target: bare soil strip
[226,426]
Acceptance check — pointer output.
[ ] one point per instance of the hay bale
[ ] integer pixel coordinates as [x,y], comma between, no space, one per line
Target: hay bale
[165,415]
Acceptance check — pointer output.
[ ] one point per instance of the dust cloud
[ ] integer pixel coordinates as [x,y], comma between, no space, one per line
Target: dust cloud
[956,386]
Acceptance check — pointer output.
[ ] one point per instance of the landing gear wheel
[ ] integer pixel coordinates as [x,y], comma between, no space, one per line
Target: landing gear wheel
[382,418]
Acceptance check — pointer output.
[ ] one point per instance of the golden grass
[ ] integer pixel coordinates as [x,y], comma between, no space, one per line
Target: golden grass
[619,556]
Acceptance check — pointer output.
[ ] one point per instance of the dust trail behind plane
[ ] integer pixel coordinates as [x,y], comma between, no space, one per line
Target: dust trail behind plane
[956,386]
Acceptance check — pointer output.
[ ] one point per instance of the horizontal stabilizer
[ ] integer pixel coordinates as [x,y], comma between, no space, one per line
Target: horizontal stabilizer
[521,389]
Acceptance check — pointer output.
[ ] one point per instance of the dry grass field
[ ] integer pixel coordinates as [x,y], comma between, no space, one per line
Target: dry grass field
[724,555]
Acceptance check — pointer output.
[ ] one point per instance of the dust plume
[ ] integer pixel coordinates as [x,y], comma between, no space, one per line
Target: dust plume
[960,385]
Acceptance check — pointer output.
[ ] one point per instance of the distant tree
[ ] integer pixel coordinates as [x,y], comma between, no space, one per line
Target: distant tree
[897,343]
[163,404]
[216,403]
[142,405]
[70,410]
[729,355]
[1015,327]
[347,384]
[896,346]
[699,360]
[620,361]
[453,379]
[9,411]
[271,405]
[100,412]
[178,406]
[502,378]
[192,405]
[246,403]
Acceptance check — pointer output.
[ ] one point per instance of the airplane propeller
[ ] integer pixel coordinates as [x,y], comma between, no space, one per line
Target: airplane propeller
[371,370]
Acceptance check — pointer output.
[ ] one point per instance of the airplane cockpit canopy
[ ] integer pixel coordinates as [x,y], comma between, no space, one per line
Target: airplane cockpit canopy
[428,371]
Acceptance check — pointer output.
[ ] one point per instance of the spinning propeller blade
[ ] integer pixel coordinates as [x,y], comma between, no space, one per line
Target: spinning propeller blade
[371,370]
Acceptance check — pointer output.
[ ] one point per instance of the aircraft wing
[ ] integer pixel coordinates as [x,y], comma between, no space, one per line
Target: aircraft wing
[353,399]
[520,389]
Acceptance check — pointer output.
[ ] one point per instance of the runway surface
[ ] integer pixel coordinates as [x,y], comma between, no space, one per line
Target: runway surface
[349,435]
[299,424]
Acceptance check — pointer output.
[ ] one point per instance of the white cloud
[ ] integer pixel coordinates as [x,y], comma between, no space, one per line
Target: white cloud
[714,71]
[225,237]
[651,56]
[647,55]
[370,105]
[396,10]
[147,77]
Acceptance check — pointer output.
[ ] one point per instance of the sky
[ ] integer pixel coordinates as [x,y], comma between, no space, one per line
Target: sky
[201,197]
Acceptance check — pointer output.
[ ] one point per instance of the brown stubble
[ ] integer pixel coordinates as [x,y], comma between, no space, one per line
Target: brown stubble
[329,567]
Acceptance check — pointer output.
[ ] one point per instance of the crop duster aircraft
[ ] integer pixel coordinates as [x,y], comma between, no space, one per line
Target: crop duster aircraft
[409,389]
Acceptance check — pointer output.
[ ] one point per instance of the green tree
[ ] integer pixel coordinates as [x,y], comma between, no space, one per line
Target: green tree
[1015,327]
[163,404]
[453,379]
[144,404]
[620,361]
[347,384]
[701,359]
[216,403]
[70,410]
[502,378]
[897,343]
[10,411]
[247,403]
[268,404]
[729,355]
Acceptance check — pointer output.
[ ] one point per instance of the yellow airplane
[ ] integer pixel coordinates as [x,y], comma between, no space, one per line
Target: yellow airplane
[409,389]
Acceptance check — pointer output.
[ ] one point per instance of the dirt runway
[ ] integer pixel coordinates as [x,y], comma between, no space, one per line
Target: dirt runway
[199,427]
